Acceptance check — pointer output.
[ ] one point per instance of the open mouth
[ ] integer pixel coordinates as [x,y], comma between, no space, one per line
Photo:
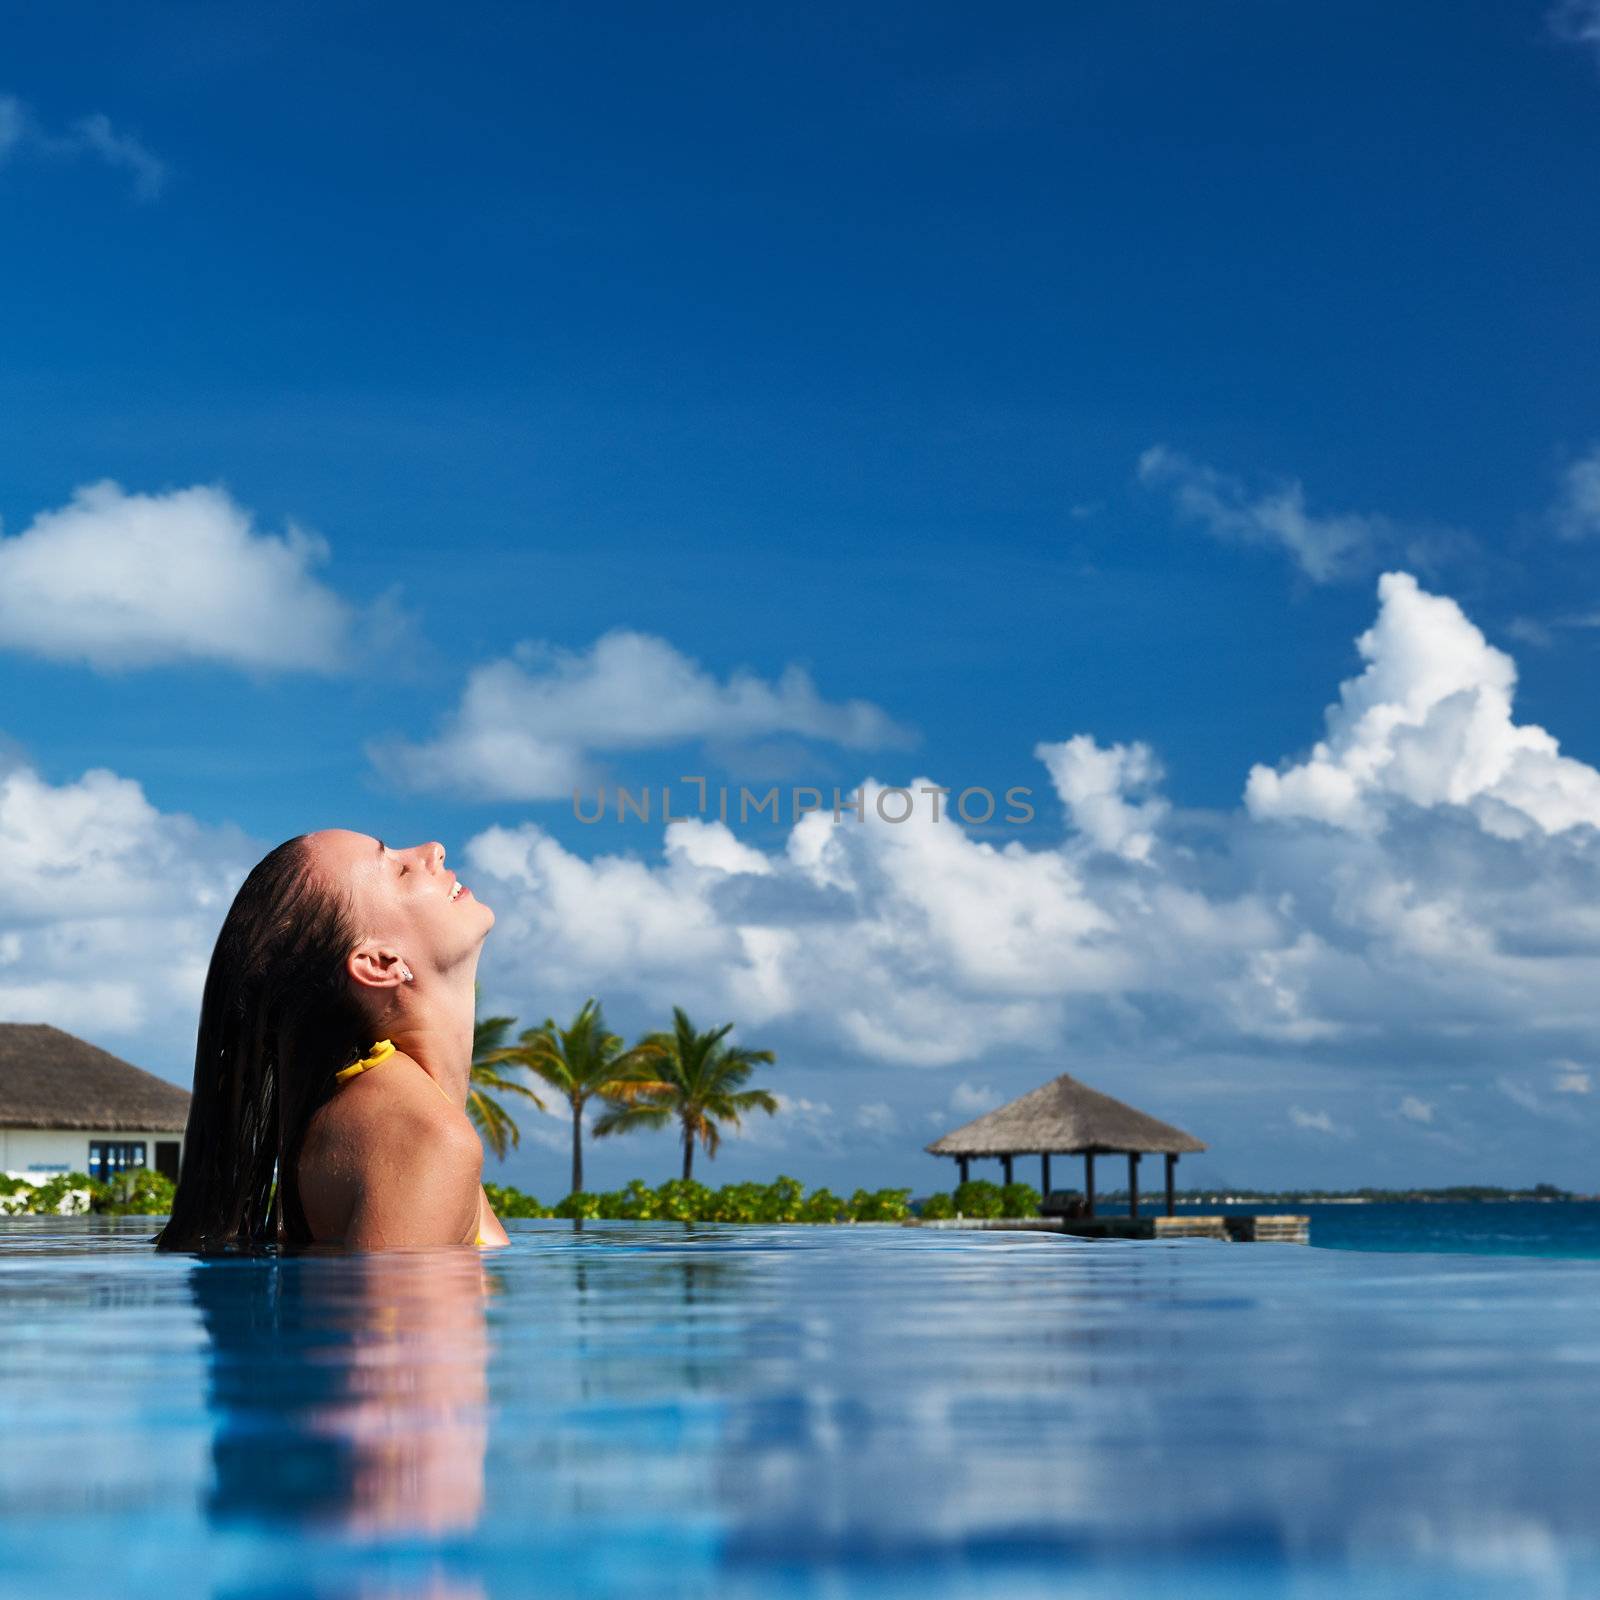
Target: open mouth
[460,892]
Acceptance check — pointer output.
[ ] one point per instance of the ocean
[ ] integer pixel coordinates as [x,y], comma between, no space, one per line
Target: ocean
[1569,1228]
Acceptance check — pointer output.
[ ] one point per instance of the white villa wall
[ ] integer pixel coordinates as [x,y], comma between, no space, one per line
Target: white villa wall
[38,1154]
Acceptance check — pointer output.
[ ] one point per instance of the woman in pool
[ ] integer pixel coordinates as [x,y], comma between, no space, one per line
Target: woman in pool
[334,1056]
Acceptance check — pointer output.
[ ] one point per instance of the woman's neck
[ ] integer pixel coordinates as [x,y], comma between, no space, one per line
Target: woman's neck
[435,1030]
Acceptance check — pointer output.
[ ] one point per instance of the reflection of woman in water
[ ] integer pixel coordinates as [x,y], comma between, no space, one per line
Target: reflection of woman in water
[347,1392]
[338,955]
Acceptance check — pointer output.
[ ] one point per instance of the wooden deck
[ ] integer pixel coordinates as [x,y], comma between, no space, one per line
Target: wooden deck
[1236,1228]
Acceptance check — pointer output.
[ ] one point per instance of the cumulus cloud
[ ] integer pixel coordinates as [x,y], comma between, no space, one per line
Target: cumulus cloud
[94,137]
[1414,922]
[1324,547]
[1095,784]
[120,580]
[109,908]
[528,728]
[1446,914]
[1429,723]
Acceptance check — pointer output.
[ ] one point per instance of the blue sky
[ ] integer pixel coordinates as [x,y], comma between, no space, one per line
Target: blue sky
[406,413]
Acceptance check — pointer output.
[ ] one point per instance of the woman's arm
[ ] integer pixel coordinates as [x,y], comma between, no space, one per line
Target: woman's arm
[488,1223]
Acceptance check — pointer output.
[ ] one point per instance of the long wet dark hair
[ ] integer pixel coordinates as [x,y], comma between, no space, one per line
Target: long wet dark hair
[278,1018]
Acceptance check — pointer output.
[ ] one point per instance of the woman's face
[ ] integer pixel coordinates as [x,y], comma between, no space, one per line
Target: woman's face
[403,898]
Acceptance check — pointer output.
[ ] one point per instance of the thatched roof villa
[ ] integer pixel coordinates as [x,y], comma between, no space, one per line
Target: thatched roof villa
[68,1106]
[1068,1118]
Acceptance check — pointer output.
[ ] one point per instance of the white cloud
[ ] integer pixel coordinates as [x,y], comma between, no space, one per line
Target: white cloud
[1577,510]
[528,728]
[1428,723]
[798,1120]
[877,1116]
[973,1098]
[120,580]
[108,907]
[93,136]
[1094,785]
[1258,949]
[1432,932]
[1315,1122]
[1324,547]
[1416,1110]
[1521,1092]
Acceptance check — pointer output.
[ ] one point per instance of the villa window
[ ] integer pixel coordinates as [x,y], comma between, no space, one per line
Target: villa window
[108,1156]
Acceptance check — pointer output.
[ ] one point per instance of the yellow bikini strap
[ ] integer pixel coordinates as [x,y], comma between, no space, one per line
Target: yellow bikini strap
[381,1051]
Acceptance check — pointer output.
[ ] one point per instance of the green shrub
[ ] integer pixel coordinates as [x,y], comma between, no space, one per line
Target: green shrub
[1019,1200]
[977,1197]
[784,1200]
[138,1192]
[684,1200]
[821,1205]
[61,1194]
[637,1203]
[879,1205]
[937,1207]
[739,1202]
[509,1202]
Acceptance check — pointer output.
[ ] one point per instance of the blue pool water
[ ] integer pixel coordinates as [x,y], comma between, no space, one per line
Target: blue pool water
[660,1410]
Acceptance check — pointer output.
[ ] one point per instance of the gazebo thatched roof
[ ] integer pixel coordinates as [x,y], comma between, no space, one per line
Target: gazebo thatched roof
[51,1079]
[1064,1117]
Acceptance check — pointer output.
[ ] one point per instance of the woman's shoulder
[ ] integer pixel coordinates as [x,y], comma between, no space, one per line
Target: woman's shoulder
[370,1134]
[395,1100]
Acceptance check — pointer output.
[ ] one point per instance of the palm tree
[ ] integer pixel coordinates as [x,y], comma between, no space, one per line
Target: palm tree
[579,1062]
[485,1080]
[691,1078]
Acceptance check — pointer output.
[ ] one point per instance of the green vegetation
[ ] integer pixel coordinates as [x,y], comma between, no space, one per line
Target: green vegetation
[141,1191]
[784,1200]
[980,1198]
[684,1200]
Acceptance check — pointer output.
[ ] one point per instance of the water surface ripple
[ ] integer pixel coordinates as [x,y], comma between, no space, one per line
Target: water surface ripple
[665,1410]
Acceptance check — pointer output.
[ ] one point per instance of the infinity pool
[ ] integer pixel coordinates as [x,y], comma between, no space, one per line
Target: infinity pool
[667,1410]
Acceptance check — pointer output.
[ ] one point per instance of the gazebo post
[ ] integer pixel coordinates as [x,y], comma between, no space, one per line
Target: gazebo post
[1088,1183]
[1133,1183]
[961,1167]
[1005,1167]
[1172,1162]
[1044,1173]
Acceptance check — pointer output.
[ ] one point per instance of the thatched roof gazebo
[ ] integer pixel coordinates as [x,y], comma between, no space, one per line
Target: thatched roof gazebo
[1066,1117]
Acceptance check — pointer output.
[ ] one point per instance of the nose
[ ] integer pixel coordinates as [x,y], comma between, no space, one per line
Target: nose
[434,853]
